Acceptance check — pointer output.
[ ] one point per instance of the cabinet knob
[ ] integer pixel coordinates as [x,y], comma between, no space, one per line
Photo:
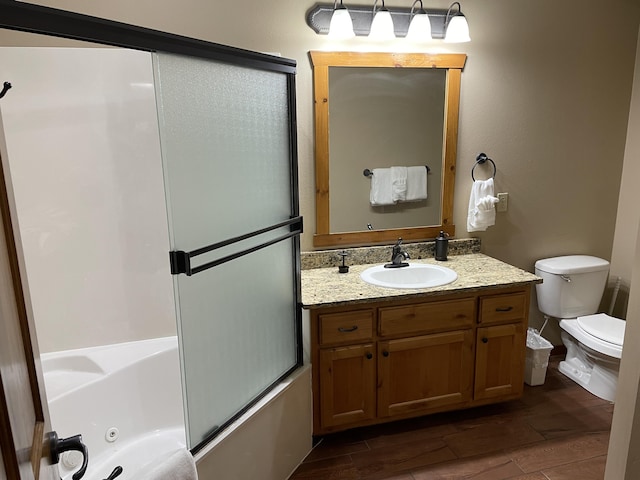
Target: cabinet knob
[369,355]
[485,339]
[385,353]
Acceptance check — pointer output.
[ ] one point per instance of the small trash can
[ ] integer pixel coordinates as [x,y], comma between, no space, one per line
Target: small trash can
[537,359]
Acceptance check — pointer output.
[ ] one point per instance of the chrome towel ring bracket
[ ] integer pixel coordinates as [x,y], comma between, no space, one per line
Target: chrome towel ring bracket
[481,159]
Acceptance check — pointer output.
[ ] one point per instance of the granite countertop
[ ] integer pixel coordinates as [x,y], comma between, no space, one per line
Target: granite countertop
[323,287]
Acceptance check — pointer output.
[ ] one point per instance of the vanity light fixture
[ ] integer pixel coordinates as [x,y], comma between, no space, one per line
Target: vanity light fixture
[456,26]
[399,21]
[419,24]
[382,24]
[341,25]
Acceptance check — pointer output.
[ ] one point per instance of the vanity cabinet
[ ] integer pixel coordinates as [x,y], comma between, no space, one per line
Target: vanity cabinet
[431,364]
[347,373]
[376,362]
[420,373]
[501,345]
[347,384]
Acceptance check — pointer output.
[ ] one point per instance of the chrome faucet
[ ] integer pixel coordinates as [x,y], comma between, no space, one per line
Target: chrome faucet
[398,255]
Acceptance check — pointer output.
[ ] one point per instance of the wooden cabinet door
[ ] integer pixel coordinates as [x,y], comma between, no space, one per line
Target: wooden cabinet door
[347,377]
[426,372]
[500,352]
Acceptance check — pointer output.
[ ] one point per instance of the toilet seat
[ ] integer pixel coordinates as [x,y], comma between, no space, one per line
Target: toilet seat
[604,327]
[580,333]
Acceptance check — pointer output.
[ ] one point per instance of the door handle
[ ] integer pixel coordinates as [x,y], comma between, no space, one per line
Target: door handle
[60,445]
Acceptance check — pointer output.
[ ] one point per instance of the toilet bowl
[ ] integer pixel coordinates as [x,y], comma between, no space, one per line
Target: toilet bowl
[571,292]
[594,348]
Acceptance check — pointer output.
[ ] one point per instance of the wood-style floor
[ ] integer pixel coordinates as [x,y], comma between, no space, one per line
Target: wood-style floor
[556,431]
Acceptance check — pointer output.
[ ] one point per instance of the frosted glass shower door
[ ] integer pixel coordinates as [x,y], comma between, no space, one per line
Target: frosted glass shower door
[228,147]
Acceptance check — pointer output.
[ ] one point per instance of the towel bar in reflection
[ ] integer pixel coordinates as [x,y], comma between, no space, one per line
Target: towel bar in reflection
[369,173]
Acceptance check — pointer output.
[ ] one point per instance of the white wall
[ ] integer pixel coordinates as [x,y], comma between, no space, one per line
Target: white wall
[90,201]
[623,459]
[628,215]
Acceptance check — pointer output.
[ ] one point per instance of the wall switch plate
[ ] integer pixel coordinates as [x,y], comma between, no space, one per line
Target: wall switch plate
[503,202]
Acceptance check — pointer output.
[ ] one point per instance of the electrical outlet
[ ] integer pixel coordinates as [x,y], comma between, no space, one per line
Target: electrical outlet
[503,202]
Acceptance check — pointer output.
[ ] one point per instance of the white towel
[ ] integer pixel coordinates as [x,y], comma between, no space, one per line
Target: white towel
[416,184]
[381,187]
[482,213]
[178,466]
[399,184]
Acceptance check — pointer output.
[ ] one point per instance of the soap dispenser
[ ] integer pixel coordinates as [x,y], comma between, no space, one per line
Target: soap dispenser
[442,246]
[344,268]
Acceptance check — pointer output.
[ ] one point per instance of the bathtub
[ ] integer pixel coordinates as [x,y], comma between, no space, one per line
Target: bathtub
[125,400]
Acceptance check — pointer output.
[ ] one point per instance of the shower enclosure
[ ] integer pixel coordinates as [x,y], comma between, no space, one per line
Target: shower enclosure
[228,143]
[225,121]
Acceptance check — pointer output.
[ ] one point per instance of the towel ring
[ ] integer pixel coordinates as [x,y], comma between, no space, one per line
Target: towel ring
[480,159]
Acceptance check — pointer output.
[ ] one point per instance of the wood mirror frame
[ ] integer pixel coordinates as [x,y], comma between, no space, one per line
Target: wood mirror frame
[321,62]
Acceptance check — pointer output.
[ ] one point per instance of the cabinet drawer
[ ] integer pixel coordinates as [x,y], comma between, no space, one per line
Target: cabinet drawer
[427,317]
[346,327]
[503,308]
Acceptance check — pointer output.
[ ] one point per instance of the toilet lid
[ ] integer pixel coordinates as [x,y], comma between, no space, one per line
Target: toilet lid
[604,327]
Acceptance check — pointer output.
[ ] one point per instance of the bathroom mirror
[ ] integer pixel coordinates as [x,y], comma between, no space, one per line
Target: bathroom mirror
[375,110]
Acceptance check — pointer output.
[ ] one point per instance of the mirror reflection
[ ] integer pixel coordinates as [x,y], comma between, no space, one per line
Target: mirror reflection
[378,118]
[382,110]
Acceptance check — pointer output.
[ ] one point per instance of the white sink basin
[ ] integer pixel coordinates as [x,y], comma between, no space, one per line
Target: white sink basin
[416,275]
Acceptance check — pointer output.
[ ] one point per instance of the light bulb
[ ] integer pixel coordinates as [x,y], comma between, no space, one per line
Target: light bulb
[419,28]
[341,25]
[457,30]
[382,26]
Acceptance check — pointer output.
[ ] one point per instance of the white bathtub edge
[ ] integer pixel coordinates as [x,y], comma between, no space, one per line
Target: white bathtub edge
[270,441]
[253,411]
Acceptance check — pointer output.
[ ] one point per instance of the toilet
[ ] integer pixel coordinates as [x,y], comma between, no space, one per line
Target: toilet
[571,292]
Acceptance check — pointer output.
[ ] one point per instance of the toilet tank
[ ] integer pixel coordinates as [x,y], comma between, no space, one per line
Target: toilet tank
[572,285]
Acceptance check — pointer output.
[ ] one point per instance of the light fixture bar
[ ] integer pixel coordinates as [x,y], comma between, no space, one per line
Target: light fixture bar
[319,17]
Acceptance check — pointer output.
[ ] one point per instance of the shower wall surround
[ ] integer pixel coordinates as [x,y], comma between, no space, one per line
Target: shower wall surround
[89,194]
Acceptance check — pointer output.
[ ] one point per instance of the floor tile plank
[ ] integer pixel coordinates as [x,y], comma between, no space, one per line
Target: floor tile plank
[337,468]
[592,469]
[401,458]
[561,451]
[495,467]
[492,436]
